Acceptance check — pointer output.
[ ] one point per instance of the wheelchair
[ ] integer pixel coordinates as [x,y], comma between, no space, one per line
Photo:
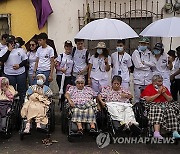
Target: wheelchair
[70,128]
[116,128]
[47,129]
[11,119]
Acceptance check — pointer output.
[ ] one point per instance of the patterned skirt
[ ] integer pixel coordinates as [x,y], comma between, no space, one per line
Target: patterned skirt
[84,113]
[166,114]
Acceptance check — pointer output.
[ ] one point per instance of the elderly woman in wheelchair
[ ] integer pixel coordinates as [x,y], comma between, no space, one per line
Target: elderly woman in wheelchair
[83,107]
[7,93]
[162,111]
[36,104]
[117,101]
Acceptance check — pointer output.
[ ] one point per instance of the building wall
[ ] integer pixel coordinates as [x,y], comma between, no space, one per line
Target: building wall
[23,18]
[63,23]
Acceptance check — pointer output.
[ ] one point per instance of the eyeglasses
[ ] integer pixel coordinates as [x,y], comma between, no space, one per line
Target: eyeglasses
[32,45]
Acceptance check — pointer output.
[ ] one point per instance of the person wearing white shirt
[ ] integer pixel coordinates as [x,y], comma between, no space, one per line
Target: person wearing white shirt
[64,65]
[44,59]
[99,66]
[81,58]
[163,64]
[121,63]
[15,60]
[32,60]
[3,46]
[142,60]
[175,76]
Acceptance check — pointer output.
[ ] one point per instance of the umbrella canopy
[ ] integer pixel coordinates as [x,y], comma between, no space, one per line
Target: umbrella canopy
[106,29]
[49,42]
[168,27]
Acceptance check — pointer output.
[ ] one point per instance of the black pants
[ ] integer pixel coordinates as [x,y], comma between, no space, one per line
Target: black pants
[68,80]
[175,89]
[74,79]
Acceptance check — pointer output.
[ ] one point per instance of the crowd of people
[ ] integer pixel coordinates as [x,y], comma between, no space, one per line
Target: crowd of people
[80,68]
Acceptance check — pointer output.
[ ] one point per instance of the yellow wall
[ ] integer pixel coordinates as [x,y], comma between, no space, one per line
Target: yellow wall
[23,18]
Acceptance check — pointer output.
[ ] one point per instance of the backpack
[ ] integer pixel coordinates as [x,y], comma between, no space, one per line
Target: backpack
[87,54]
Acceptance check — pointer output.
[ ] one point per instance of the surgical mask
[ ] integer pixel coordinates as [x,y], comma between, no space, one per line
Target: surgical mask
[99,51]
[17,45]
[119,49]
[156,52]
[142,48]
[40,82]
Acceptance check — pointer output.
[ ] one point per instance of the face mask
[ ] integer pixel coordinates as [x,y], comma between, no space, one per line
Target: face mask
[40,82]
[99,51]
[142,48]
[17,45]
[119,49]
[156,52]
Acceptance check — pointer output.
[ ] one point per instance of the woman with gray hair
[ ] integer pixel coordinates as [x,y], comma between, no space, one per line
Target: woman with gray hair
[162,111]
[80,98]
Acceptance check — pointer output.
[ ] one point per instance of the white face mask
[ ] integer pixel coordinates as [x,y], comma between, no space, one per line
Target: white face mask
[99,51]
[40,82]
[119,49]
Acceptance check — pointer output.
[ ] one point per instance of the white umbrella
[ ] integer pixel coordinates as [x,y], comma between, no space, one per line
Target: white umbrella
[106,29]
[167,27]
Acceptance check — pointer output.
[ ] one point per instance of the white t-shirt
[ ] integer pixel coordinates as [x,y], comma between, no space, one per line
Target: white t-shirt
[32,61]
[65,62]
[98,71]
[121,63]
[16,57]
[162,66]
[3,47]
[44,55]
[79,60]
[176,67]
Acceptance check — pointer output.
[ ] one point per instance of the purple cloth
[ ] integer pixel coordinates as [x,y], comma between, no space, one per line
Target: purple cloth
[43,10]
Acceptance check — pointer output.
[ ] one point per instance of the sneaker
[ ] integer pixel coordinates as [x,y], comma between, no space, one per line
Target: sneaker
[157,135]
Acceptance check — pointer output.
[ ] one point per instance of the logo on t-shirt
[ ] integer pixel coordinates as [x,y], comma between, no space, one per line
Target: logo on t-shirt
[19,54]
[46,56]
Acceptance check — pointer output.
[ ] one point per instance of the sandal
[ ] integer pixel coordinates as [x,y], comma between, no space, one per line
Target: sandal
[27,129]
[92,130]
[80,131]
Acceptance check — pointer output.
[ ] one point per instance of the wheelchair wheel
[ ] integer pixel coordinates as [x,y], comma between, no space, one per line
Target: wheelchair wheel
[9,128]
[52,117]
[64,119]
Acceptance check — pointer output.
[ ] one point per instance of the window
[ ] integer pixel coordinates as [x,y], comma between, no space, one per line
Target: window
[5,24]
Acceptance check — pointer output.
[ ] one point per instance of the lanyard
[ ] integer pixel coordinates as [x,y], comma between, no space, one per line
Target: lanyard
[120,61]
[100,61]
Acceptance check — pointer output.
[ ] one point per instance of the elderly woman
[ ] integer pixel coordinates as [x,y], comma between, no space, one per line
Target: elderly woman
[162,112]
[117,101]
[80,98]
[37,104]
[7,93]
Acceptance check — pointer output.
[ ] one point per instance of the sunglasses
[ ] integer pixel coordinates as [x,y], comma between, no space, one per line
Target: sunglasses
[32,45]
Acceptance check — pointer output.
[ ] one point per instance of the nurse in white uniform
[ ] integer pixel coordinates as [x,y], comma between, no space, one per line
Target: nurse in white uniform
[163,64]
[99,66]
[142,59]
[121,63]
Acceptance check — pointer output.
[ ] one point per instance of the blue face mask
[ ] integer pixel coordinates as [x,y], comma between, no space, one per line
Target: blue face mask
[142,48]
[156,52]
[119,49]
[40,82]
[99,51]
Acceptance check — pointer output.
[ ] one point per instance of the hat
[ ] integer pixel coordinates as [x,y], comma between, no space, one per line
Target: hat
[178,49]
[101,45]
[144,40]
[10,39]
[172,53]
[159,46]
[41,75]
[68,43]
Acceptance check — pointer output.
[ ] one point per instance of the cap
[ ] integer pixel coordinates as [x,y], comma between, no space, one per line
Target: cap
[41,75]
[101,45]
[10,39]
[144,40]
[68,43]
[159,46]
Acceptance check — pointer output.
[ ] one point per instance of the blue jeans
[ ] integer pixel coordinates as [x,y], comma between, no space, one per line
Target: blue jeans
[19,83]
[31,81]
[46,73]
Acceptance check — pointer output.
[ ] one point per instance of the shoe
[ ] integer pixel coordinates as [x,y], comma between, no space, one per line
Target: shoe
[80,132]
[27,129]
[121,127]
[92,130]
[157,135]
[176,135]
